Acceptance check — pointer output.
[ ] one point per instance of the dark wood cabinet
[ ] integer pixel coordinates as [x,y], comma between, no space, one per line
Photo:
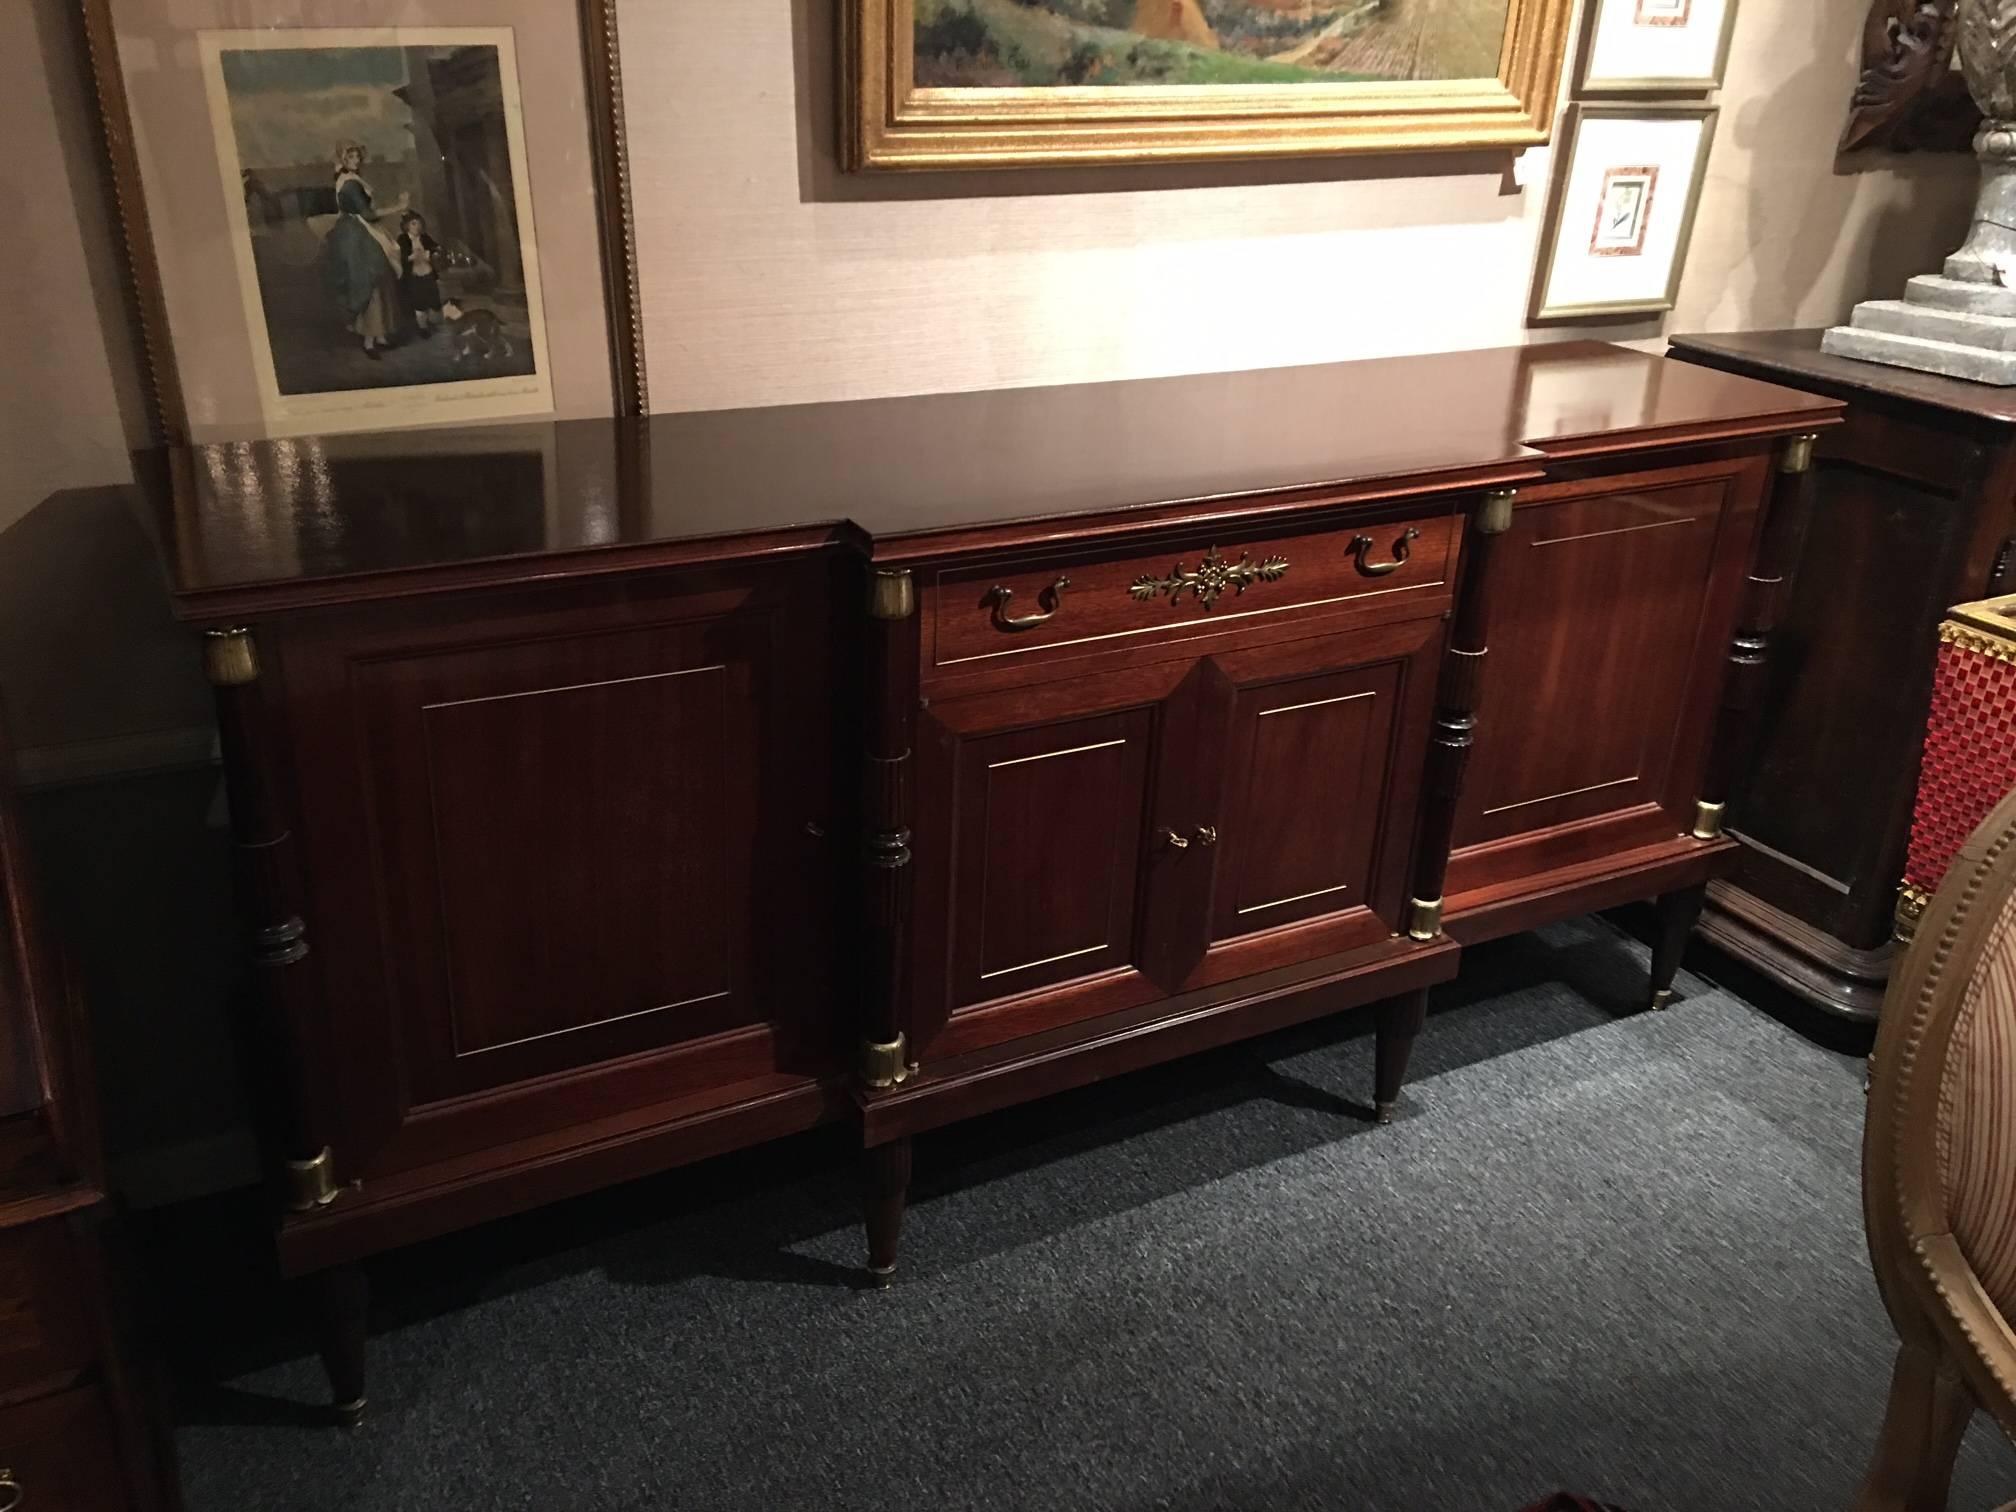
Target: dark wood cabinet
[78,1425]
[1914,510]
[898,761]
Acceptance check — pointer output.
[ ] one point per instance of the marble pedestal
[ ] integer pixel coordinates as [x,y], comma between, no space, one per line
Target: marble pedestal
[1962,323]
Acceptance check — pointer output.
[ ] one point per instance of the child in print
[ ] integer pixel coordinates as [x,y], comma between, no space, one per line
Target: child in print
[420,259]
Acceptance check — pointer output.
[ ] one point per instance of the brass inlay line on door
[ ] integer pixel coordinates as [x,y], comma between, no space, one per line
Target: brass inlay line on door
[1102,745]
[1317,703]
[1045,961]
[614,1018]
[607,682]
[1591,535]
[1298,898]
[1594,787]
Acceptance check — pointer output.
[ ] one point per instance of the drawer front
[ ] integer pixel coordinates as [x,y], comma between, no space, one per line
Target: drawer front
[60,1453]
[1089,600]
[43,1330]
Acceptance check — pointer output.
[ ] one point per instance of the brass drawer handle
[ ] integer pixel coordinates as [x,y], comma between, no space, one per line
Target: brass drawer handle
[11,1494]
[1053,596]
[1360,545]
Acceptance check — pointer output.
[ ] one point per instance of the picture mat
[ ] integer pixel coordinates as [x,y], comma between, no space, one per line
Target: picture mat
[161,62]
[399,405]
[1575,278]
[1624,54]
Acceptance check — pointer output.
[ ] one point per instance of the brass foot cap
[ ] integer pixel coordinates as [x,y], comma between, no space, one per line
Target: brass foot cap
[1383,1112]
[1662,998]
[348,1414]
[884,1276]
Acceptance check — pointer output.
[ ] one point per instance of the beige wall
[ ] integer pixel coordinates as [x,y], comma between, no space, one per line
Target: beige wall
[770,278]
[95,675]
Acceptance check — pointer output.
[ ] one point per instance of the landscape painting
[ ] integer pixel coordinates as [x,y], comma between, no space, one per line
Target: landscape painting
[978,44]
[381,223]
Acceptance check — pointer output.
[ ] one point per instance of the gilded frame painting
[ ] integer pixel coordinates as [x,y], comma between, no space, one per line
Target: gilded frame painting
[362,215]
[944,84]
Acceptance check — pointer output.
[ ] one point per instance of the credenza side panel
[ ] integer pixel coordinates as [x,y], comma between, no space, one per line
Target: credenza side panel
[569,852]
[1852,676]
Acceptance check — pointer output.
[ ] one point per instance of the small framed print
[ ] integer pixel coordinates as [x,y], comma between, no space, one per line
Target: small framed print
[360,215]
[1626,182]
[1654,46]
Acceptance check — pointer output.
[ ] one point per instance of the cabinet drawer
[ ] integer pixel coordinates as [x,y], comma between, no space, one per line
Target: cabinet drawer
[60,1453]
[43,1332]
[1077,597]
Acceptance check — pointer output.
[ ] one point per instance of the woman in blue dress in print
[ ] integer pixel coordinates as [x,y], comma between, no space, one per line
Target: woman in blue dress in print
[360,261]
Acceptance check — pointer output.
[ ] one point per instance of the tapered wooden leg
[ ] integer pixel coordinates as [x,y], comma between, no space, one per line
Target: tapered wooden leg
[1679,912]
[1400,1020]
[339,1300]
[885,1188]
[1928,1414]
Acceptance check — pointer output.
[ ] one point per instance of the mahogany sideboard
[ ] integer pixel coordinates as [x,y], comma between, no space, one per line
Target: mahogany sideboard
[1917,492]
[79,1427]
[613,794]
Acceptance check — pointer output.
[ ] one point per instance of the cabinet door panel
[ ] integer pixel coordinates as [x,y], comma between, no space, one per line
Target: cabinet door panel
[1309,761]
[578,832]
[559,854]
[1049,827]
[1596,624]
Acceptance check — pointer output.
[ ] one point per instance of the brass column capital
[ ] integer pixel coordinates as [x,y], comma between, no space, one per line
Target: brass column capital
[891,594]
[1494,515]
[1797,457]
[230,658]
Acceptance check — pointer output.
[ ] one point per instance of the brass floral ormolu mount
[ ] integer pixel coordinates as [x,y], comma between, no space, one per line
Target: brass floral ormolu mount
[1213,576]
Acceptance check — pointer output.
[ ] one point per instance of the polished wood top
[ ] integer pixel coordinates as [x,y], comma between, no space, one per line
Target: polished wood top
[252,526]
[1795,356]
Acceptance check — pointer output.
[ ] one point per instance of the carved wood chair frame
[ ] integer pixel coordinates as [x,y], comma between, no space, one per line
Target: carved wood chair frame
[1957,1351]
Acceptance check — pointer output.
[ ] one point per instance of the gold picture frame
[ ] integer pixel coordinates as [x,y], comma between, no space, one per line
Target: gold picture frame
[161,99]
[888,121]
[1573,228]
[1604,21]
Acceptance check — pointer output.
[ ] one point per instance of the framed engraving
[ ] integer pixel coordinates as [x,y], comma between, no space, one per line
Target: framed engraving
[1655,46]
[1005,83]
[1626,183]
[375,224]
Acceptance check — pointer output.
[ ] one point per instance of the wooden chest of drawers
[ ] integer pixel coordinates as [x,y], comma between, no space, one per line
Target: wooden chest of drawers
[900,760]
[77,1427]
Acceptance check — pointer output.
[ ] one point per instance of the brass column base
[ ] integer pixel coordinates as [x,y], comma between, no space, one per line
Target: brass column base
[1663,998]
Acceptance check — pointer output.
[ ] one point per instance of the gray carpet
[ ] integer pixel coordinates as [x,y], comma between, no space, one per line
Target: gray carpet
[1618,1253]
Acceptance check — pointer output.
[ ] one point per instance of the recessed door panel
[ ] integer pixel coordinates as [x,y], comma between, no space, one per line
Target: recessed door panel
[617,796]
[1595,616]
[569,854]
[1305,777]
[573,828]
[1049,844]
